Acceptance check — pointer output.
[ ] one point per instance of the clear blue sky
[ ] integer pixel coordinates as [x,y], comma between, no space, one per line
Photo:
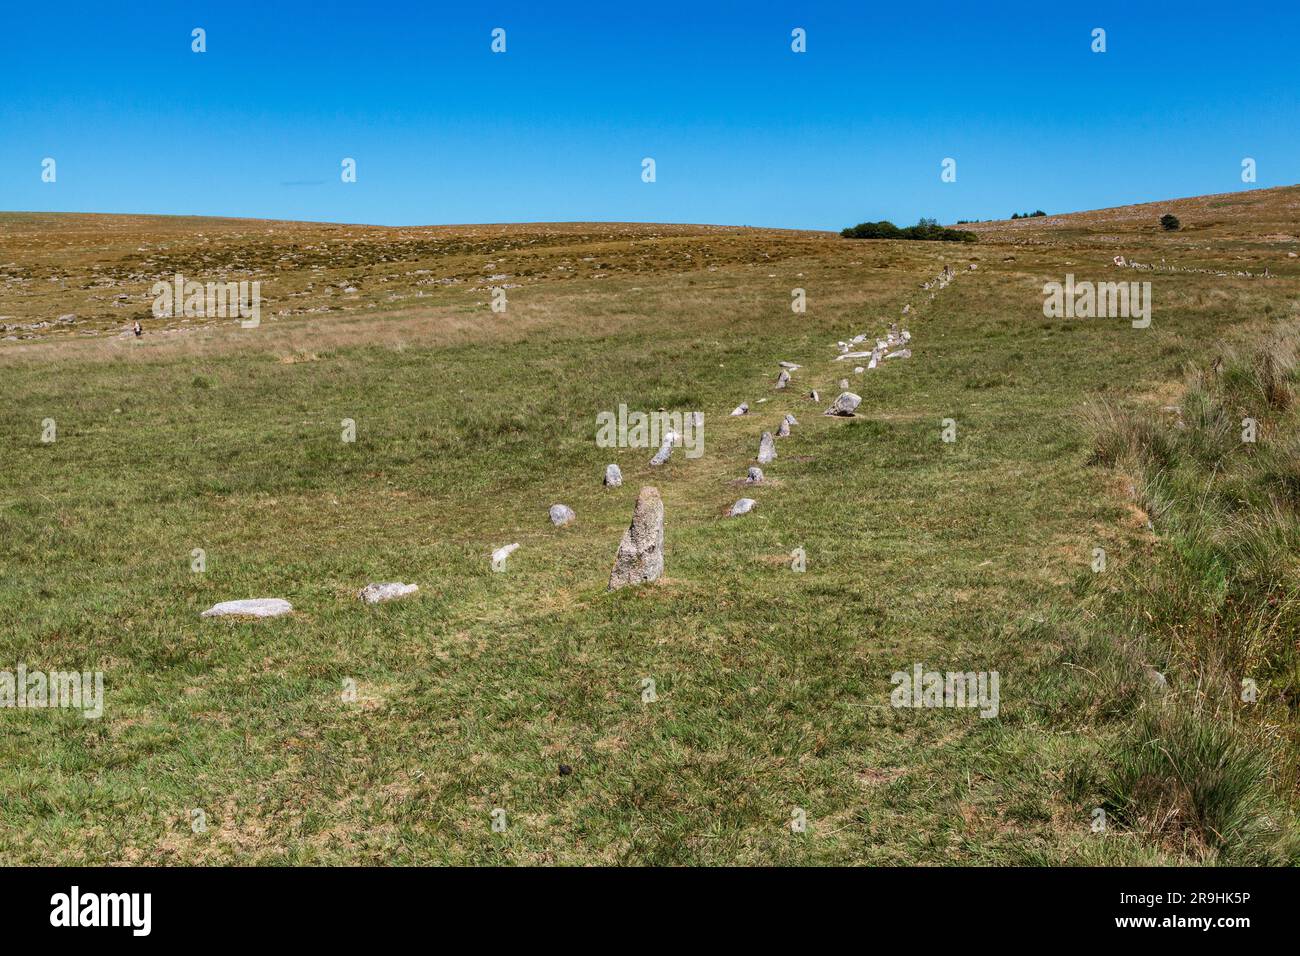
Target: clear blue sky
[742,129]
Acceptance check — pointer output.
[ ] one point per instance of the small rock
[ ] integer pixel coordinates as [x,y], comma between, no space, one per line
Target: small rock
[791,420]
[813,396]
[742,507]
[844,383]
[741,409]
[859,370]
[845,405]
[665,450]
[500,554]
[783,430]
[790,365]
[766,449]
[613,476]
[565,770]
[783,379]
[254,607]
[901,353]
[562,515]
[754,476]
[377,593]
[640,557]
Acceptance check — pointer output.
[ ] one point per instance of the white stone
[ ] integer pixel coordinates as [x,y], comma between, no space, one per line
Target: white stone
[766,449]
[741,409]
[254,607]
[613,476]
[377,593]
[562,515]
[742,507]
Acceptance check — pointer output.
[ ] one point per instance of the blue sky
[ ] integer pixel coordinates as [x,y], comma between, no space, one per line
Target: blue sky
[742,129]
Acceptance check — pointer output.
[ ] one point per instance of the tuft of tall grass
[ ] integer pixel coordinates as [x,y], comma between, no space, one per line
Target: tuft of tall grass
[1198,784]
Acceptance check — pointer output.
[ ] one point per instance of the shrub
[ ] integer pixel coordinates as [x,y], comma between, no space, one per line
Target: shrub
[1169,222]
[925,229]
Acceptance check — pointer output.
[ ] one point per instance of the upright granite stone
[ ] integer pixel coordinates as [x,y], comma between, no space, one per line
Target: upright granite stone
[766,449]
[613,476]
[640,557]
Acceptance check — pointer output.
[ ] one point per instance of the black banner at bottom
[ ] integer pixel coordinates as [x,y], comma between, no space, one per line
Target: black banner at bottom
[336,905]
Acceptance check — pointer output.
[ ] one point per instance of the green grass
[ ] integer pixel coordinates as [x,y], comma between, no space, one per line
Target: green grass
[772,686]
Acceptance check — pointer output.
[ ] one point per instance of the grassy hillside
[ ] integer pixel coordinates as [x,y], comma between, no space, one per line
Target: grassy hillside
[772,686]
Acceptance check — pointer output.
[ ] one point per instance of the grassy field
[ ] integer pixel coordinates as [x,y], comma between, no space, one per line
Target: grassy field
[772,686]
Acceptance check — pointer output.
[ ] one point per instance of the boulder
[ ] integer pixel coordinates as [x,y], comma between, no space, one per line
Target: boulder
[640,557]
[613,476]
[766,449]
[754,476]
[742,507]
[741,409]
[562,515]
[783,430]
[845,405]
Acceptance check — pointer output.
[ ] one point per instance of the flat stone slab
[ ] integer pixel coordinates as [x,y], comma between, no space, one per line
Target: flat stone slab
[252,607]
[389,591]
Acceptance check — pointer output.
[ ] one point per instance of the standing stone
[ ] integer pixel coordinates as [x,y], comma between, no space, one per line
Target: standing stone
[665,450]
[783,379]
[640,557]
[613,476]
[754,476]
[742,507]
[845,405]
[766,449]
[791,420]
[741,409]
[562,515]
[783,430]
[813,396]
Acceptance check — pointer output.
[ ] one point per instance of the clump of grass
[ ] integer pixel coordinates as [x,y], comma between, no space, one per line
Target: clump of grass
[1214,607]
[1198,784]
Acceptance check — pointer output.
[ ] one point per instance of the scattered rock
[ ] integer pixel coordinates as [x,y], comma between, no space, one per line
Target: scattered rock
[859,370]
[766,449]
[254,607]
[741,409]
[814,396]
[378,593]
[613,476]
[640,557]
[742,507]
[844,383]
[791,420]
[845,405]
[790,365]
[783,379]
[901,353]
[562,515]
[754,476]
[783,430]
